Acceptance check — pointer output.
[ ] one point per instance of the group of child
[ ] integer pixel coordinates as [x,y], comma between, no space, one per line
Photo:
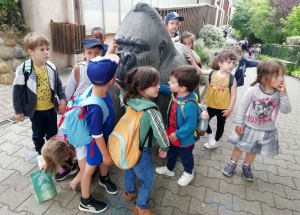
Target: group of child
[255,131]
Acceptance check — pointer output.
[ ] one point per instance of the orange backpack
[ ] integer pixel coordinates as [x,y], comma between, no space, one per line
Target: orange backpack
[124,141]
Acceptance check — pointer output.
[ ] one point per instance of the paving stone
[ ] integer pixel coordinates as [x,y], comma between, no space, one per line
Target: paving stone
[198,192]
[9,147]
[64,196]
[27,154]
[259,166]
[27,142]
[290,151]
[157,195]
[292,193]
[57,209]
[5,173]
[22,166]
[281,180]
[197,207]
[238,190]
[6,211]
[213,173]
[272,188]
[176,211]
[286,157]
[6,160]
[210,163]
[74,203]
[12,137]
[247,206]
[176,201]
[267,210]
[202,153]
[288,173]
[13,198]
[262,175]
[225,211]
[238,179]
[266,197]
[219,157]
[3,188]
[271,161]
[294,146]
[203,170]
[17,181]
[283,203]
[207,182]
[297,183]
[157,209]
[218,198]
[164,182]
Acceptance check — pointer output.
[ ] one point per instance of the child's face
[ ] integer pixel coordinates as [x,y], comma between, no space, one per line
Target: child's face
[172,26]
[227,65]
[40,53]
[173,85]
[91,53]
[239,56]
[188,42]
[151,92]
[277,80]
[99,36]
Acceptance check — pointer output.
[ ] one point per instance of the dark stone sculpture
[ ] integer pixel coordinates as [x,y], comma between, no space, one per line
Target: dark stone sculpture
[144,41]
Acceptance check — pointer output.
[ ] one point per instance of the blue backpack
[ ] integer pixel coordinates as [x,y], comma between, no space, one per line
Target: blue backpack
[73,124]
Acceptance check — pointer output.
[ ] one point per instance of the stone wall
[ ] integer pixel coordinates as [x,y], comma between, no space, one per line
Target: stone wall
[12,54]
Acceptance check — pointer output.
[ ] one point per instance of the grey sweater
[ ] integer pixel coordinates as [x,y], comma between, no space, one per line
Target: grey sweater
[259,109]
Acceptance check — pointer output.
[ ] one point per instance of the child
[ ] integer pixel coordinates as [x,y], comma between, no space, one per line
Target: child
[183,81]
[188,39]
[172,20]
[255,131]
[243,64]
[99,34]
[142,87]
[36,98]
[219,97]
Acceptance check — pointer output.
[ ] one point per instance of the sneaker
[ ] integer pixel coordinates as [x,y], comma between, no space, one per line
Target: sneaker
[185,179]
[110,187]
[229,169]
[164,171]
[66,171]
[211,142]
[247,174]
[40,161]
[92,205]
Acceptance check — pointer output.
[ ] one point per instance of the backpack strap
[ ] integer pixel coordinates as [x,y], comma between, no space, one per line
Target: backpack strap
[95,100]
[210,74]
[254,90]
[77,74]
[231,80]
[27,70]
[87,91]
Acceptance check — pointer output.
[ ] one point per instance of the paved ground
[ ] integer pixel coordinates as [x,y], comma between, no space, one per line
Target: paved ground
[275,190]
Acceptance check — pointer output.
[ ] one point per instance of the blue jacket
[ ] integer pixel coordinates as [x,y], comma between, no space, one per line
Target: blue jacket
[240,71]
[186,125]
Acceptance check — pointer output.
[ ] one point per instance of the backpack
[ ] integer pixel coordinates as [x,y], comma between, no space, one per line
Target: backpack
[27,70]
[201,125]
[73,124]
[124,141]
[231,79]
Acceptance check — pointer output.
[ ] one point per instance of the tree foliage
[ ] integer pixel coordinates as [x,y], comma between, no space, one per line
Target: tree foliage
[212,36]
[292,23]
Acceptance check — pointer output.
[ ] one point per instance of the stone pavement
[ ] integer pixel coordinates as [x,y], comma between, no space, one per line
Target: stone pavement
[275,190]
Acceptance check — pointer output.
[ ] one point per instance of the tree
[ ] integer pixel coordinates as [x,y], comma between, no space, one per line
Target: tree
[240,20]
[292,23]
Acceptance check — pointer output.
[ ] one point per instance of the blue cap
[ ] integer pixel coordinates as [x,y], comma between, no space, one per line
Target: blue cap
[173,15]
[90,43]
[101,70]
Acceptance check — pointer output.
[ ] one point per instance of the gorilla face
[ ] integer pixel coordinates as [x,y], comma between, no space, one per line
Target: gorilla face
[129,49]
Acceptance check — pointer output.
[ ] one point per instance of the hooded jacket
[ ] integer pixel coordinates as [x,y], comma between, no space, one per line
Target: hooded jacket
[151,117]
[240,71]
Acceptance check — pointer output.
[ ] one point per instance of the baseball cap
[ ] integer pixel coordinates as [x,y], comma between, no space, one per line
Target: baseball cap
[173,15]
[90,43]
[102,69]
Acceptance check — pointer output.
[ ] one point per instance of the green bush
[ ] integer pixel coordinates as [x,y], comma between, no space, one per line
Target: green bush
[203,52]
[294,40]
[212,37]
[296,73]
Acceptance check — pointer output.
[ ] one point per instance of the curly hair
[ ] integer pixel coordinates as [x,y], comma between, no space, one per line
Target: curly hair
[222,57]
[139,79]
[55,152]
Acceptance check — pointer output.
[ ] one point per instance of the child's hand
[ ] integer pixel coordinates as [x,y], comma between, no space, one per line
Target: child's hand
[19,117]
[62,107]
[172,137]
[73,186]
[239,130]
[112,47]
[282,88]
[226,113]
[190,59]
[107,160]
[161,153]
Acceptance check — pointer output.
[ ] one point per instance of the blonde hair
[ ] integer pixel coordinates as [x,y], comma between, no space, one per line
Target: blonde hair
[34,40]
[236,49]
[55,153]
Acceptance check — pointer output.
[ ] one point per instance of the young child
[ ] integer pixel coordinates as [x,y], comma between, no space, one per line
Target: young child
[255,131]
[142,87]
[36,98]
[219,97]
[188,39]
[172,20]
[243,64]
[99,34]
[183,81]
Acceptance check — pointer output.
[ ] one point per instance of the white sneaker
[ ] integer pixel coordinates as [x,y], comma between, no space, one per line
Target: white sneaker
[164,171]
[185,179]
[211,142]
[40,161]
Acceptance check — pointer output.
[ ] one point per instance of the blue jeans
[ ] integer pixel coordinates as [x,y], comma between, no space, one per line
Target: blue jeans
[44,124]
[144,172]
[186,157]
